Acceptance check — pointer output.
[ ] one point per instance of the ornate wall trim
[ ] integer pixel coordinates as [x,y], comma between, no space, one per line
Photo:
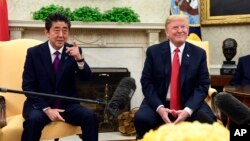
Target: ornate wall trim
[97,34]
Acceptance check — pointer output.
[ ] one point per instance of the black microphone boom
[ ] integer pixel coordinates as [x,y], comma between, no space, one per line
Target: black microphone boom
[53,96]
[233,108]
[120,99]
[122,96]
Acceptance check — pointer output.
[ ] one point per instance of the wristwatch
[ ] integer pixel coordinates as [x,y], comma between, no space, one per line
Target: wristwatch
[80,60]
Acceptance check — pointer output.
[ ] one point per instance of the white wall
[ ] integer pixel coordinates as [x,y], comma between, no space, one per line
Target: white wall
[150,11]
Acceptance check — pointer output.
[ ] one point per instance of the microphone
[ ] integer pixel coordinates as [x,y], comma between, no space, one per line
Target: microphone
[3,90]
[233,108]
[202,117]
[52,95]
[121,97]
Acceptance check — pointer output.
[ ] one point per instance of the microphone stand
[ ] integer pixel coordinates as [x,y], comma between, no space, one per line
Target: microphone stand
[106,124]
[53,96]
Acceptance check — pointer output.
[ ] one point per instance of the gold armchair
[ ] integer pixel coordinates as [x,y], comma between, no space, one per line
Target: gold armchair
[12,57]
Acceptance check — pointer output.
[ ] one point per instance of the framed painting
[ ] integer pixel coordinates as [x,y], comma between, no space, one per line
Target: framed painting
[218,12]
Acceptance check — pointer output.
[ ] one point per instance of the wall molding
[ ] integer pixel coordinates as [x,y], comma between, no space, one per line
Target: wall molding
[97,34]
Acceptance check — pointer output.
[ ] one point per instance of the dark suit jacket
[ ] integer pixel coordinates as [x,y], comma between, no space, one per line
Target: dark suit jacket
[193,74]
[242,72]
[38,76]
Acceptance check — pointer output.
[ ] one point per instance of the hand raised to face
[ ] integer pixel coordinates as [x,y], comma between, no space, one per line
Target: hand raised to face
[74,51]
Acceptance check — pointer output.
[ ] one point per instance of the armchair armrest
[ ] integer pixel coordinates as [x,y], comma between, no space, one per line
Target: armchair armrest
[1,135]
[210,101]
[212,92]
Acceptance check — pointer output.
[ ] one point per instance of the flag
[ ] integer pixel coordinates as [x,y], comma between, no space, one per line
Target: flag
[191,9]
[4,27]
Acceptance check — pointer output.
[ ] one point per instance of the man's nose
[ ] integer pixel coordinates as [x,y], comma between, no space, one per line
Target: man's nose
[60,33]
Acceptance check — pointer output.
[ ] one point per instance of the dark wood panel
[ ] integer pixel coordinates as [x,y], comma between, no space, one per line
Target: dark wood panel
[229,7]
[219,81]
[101,87]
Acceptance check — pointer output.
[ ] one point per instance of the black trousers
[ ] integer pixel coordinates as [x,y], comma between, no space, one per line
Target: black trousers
[75,114]
[147,118]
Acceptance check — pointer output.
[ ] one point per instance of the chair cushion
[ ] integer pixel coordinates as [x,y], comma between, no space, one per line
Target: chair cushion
[12,58]
[14,128]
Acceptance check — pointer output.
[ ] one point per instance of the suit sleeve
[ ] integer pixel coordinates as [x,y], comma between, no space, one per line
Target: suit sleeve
[85,73]
[30,83]
[236,79]
[198,84]
[148,81]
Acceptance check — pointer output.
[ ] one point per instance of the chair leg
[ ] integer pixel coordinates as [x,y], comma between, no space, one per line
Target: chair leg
[56,139]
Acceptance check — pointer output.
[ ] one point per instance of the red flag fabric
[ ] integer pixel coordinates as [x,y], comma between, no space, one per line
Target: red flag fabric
[4,27]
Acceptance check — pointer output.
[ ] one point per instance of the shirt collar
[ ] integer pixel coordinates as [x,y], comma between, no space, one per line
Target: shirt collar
[173,47]
[53,50]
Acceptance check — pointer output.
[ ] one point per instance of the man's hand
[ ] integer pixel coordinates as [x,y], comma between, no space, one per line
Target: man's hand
[180,115]
[54,114]
[163,112]
[74,51]
[178,2]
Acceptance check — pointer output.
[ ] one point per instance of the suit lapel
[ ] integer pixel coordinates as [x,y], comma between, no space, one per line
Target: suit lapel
[46,60]
[166,58]
[64,61]
[47,63]
[185,63]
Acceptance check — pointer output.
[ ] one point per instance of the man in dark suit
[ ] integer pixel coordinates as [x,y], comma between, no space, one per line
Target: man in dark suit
[40,76]
[242,72]
[156,81]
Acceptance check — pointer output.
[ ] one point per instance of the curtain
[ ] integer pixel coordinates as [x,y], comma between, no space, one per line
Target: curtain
[4,28]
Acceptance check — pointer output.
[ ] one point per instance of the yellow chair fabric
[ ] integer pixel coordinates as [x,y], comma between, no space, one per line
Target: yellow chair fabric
[12,57]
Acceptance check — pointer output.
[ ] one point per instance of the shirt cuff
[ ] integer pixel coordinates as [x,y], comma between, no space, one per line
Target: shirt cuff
[190,111]
[159,107]
[44,109]
[80,65]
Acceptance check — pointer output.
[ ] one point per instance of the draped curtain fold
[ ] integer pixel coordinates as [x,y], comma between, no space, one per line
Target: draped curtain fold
[4,28]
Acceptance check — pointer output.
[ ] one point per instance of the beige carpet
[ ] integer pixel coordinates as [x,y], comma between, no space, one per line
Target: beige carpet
[108,136]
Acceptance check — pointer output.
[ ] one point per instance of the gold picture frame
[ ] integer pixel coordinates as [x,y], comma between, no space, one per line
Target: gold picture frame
[210,17]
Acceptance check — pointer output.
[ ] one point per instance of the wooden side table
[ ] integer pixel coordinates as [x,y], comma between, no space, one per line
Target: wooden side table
[242,93]
[219,81]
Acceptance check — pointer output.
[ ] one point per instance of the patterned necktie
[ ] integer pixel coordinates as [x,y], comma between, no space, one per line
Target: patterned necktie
[56,62]
[175,83]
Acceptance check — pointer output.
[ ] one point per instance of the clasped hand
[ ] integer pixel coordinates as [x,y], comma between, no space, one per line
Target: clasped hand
[180,115]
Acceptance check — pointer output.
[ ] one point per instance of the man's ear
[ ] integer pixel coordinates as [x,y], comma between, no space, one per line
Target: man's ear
[166,33]
[46,32]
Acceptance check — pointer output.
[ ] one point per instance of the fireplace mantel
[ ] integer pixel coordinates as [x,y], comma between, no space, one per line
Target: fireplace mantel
[98,34]
[90,25]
